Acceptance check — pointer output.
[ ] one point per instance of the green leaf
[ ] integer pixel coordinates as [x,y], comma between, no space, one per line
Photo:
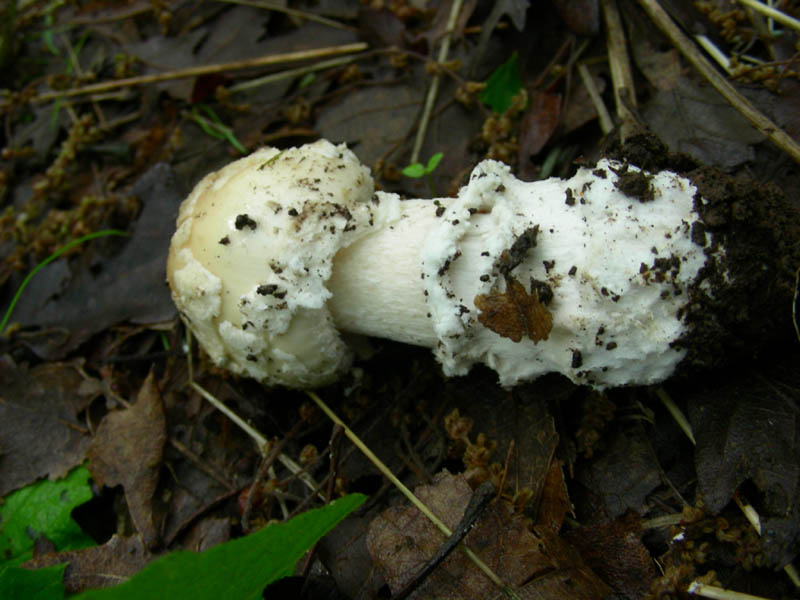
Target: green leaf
[414,171]
[39,584]
[43,509]
[236,570]
[433,162]
[503,85]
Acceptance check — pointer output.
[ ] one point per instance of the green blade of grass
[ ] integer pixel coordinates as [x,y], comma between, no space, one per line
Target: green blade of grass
[65,248]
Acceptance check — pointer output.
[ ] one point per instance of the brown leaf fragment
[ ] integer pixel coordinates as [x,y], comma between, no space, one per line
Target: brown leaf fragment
[630,572]
[40,434]
[401,541]
[127,450]
[554,504]
[99,566]
[515,313]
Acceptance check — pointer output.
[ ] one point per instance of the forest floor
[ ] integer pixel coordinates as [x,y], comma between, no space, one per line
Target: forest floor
[113,111]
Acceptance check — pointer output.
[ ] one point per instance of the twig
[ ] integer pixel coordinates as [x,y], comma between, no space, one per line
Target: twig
[779,137]
[433,90]
[477,503]
[261,61]
[621,75]
[408,493]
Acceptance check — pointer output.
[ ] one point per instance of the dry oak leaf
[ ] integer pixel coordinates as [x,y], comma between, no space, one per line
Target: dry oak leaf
[127,450]
[533,560]
[515,313]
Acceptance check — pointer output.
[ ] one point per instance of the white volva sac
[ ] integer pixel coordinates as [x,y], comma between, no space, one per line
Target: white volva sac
[279,252]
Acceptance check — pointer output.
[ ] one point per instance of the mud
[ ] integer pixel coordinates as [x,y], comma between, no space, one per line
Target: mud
[741,305]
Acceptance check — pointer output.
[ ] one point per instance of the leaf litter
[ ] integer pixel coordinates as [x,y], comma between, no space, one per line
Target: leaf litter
[580,484]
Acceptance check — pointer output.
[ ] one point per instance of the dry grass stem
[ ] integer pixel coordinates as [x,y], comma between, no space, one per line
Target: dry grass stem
[718,593]
[292,73]
[433,90]
[262,61]
[620,65]
[606,123]
[408,493]
[676,413]
[772,13]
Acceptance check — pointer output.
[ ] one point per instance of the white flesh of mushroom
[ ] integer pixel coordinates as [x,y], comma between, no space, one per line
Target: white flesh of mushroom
[618,268]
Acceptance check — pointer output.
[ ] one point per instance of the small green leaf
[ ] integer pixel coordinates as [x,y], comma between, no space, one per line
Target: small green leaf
[306,80]
[433,162]
[239,569]
[38,584]
[503,85]
[43,509]
[414,171]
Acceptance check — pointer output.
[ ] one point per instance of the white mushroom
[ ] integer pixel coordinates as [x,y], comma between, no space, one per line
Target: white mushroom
[280,252]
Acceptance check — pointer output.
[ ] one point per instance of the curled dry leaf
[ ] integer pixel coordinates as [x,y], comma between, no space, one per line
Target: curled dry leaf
[515,313]
[534,560]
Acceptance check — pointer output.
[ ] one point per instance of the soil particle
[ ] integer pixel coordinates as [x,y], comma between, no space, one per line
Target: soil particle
[752,283]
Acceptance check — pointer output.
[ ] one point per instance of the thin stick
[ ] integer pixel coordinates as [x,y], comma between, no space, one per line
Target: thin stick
[236,65]
[455,9]
[406,492]
[621,75]
[779,16]
[778,137]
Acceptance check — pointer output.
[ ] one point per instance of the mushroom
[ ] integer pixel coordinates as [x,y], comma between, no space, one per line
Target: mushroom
[279,254]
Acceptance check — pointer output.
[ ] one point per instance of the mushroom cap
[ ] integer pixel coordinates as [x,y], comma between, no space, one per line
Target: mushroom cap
[253,250]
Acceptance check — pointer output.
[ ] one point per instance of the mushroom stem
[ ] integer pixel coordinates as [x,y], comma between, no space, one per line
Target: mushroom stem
[572,276]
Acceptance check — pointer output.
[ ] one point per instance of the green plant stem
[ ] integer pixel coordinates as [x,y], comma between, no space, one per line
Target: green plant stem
[65,248]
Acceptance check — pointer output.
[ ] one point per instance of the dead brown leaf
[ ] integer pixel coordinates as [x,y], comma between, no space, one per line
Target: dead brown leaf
[99,566]
[401,540]
[540,121]
[127,451]
[39,432]
[615,552]
[515,313]
[554,503]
